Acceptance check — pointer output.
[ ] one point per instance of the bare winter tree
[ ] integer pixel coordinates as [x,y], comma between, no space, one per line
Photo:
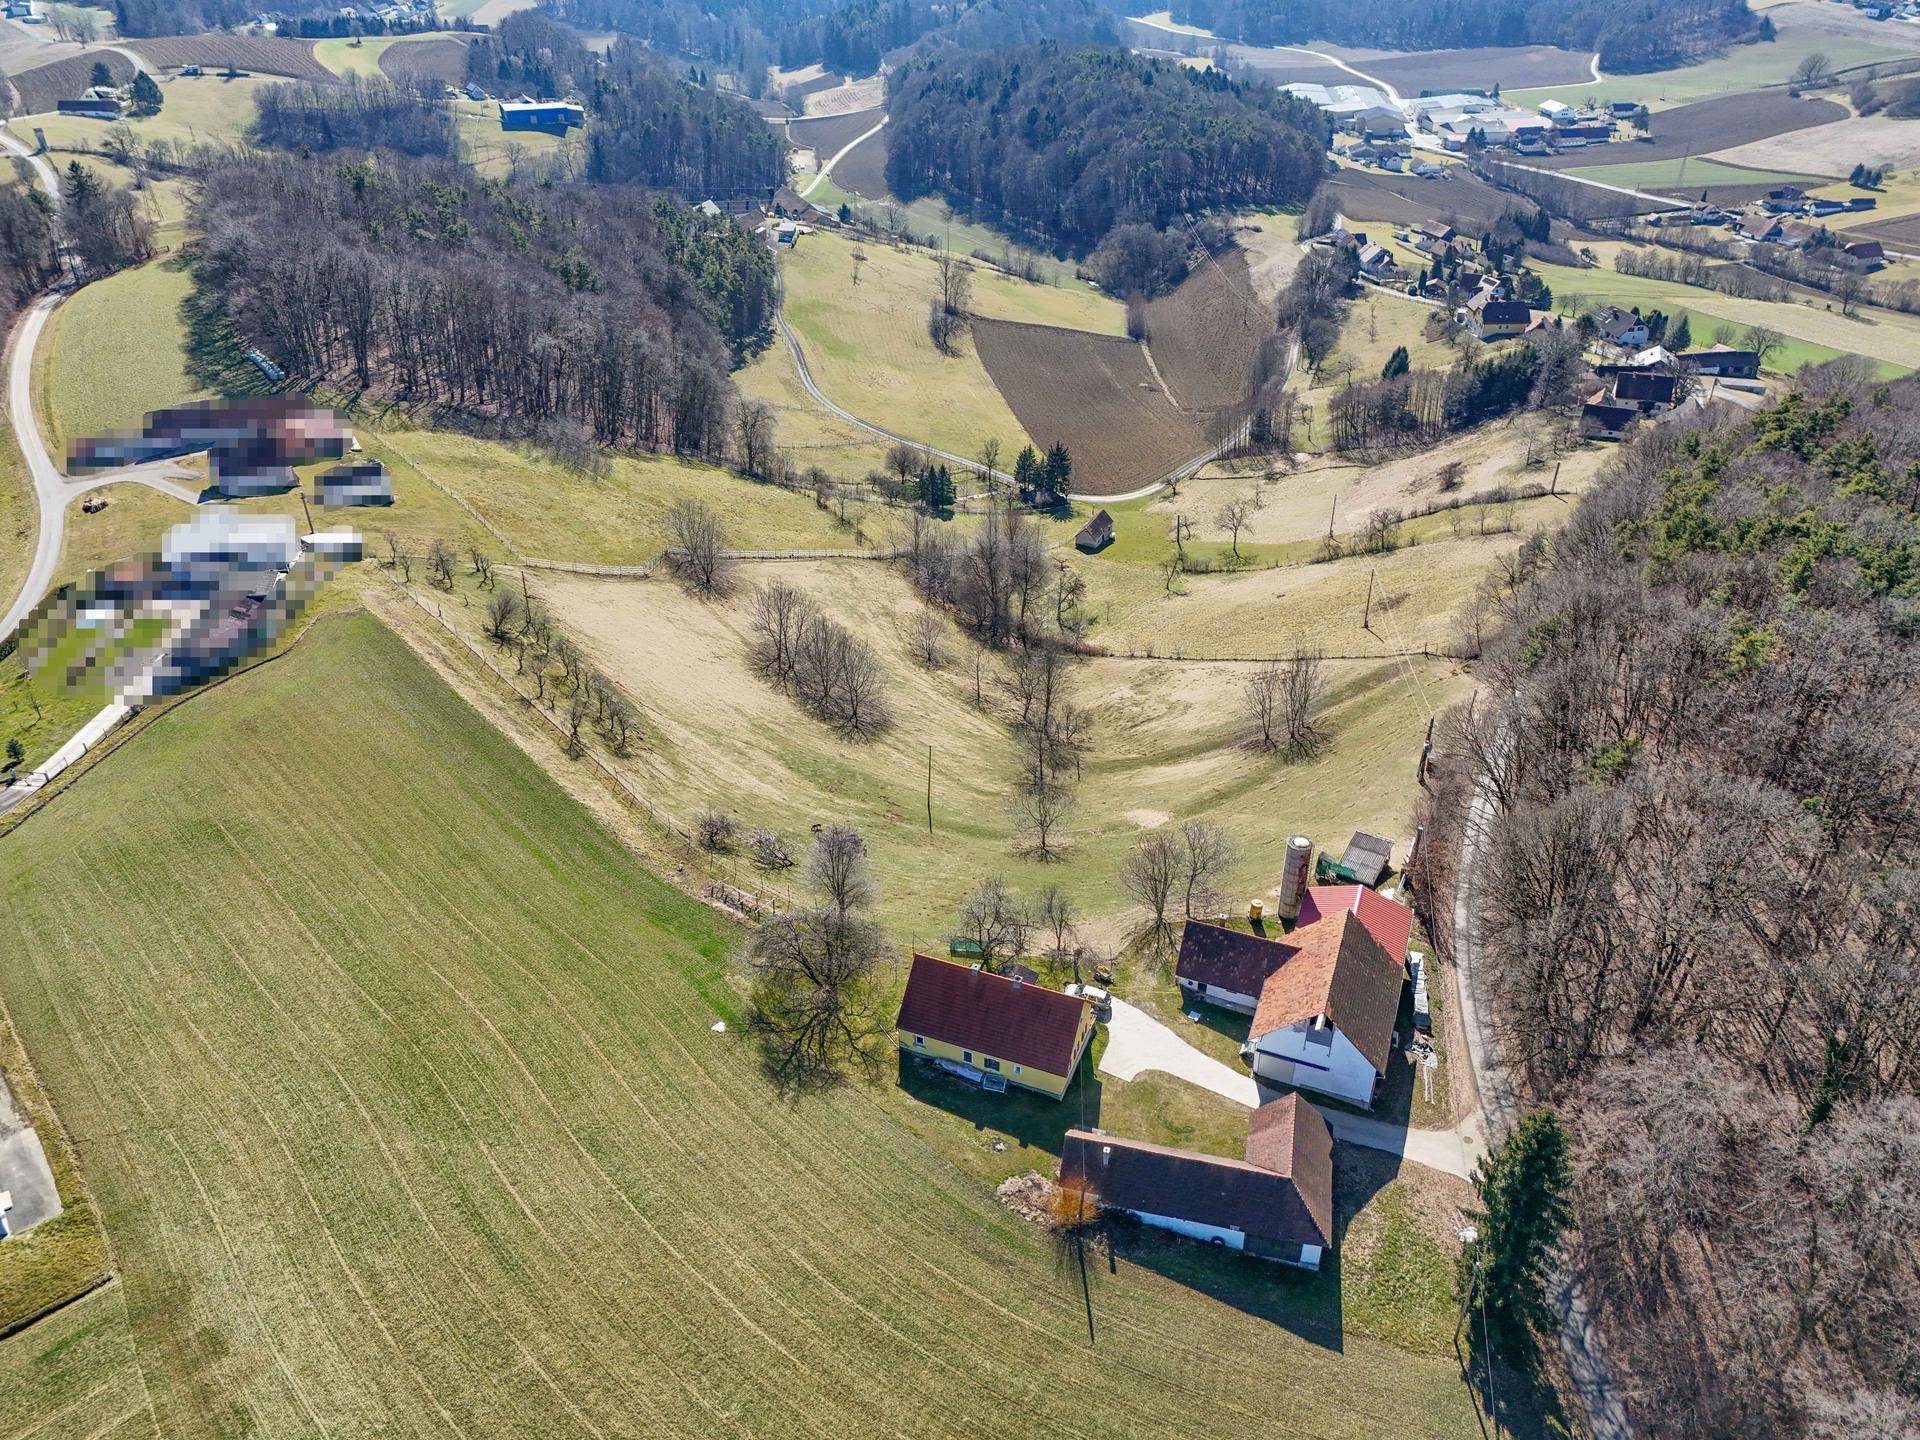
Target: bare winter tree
[753,436]
[814,974]
[1150,873]
[925,638]
[780,616]
[1056,916]
[1207,853]
[480,565]
[1234,517]
[995,920]
[1261,699]
[697,547]
[1040,814]
[503,614]
[1300,705]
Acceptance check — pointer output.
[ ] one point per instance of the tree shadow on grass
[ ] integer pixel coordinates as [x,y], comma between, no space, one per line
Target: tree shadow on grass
[216,358]
[1025,1117]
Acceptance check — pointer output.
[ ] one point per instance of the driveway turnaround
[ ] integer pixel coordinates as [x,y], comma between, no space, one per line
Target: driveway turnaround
[1137,1042]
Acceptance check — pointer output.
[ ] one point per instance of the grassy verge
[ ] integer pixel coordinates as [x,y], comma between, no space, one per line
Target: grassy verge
[100,369]
[420,1120]
[76,1374]
[59,1258]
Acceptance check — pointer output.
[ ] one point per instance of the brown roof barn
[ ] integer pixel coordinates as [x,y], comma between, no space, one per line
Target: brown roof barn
[1278,1202]
[995,1015]
[1229,960]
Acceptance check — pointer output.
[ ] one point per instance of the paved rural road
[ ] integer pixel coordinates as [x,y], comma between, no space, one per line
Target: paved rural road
[1137,1042]
[52,490]
[840,155]
[1580,1343]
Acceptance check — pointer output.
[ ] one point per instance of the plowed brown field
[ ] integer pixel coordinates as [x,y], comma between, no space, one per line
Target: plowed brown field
[1095,395]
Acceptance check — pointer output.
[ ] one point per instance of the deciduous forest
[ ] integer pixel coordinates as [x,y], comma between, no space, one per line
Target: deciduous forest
[1703,917]
[525,302]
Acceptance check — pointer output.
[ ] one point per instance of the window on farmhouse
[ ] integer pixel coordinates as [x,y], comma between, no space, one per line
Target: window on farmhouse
[993,1064]
[920,1040]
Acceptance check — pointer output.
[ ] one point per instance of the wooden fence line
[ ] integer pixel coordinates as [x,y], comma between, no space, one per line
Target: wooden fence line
[1425,652]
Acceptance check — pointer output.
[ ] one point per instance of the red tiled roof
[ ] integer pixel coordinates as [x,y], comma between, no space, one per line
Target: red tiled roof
[992,1015]
[1185,1185]
[1388,921]
[1340,972]
[1290,1137]
[1229,960]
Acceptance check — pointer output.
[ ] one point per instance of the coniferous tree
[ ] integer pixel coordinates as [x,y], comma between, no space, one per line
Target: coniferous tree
[1398,363]
[1522,1212]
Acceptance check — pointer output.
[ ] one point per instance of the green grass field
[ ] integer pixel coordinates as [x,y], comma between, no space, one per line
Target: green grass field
[868,347]
[197,110]
[75,1374]
[931,219]
[113,352]
[1740,67]
[394,1077]
[1814,334]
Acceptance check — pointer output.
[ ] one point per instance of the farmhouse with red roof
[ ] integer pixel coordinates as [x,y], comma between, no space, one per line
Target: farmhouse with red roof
[1325,998]
[995,1029]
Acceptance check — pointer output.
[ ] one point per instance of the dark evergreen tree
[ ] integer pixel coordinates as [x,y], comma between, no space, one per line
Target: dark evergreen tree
[1522,1213]
[1398,363]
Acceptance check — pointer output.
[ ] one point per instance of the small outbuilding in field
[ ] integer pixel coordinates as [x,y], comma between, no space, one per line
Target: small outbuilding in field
[1096,534]
[363,482]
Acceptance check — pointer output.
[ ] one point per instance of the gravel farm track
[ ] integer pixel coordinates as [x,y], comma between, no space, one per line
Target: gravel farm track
[1093,393]
[1704,127]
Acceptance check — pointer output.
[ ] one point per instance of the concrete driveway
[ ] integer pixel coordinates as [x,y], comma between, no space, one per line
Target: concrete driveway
[1136,1042]
[24,1173]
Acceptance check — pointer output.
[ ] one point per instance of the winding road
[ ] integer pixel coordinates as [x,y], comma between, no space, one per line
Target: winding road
[1500,1103]
[53,491]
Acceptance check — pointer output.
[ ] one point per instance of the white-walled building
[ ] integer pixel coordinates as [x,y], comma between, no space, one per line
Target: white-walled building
[1277,1203]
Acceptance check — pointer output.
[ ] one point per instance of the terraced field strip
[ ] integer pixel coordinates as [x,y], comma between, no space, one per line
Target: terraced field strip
[395,1077]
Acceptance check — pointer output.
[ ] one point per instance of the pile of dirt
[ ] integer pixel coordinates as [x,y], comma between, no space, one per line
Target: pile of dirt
[1030,1196]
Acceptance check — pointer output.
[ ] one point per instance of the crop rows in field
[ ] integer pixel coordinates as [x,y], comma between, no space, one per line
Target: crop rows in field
[264,54]
[396,1080]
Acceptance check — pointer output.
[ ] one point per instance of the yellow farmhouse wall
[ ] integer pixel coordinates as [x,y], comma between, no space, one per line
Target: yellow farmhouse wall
[1046,1084]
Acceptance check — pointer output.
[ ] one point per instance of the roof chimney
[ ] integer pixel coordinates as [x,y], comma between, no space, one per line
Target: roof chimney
[1016,982]
[975,967]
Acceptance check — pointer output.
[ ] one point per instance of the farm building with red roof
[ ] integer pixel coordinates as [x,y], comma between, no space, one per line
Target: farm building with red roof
[997,1029]
[1325,998]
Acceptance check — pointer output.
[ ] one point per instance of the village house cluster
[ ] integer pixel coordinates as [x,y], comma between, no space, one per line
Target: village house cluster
[1324,980]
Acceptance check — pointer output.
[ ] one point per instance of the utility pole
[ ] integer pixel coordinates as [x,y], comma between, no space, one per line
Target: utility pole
[1554,489]
[1366,619]
[929,789]
[1426,751]
[311,527]
[1332,510]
